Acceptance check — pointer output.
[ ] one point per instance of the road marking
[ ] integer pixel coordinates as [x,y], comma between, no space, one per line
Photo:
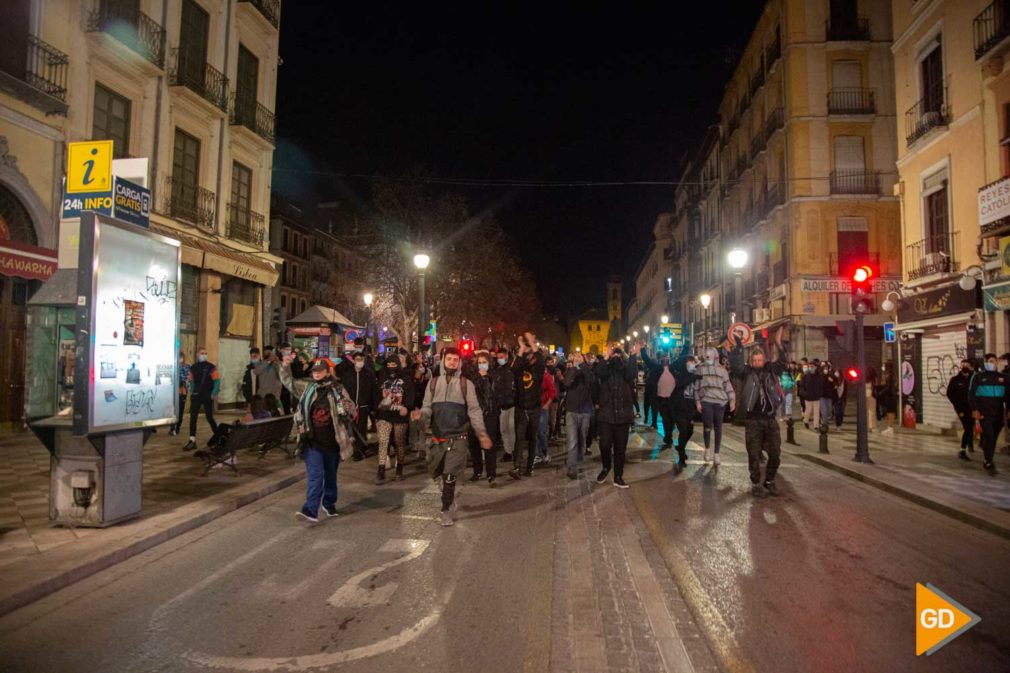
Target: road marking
[335,550]
[353,595]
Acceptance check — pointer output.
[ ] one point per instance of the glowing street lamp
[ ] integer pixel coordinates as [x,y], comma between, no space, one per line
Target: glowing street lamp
[421,261]
[706,300]
[369,298]
[635,334]
[665,319]
[646,328]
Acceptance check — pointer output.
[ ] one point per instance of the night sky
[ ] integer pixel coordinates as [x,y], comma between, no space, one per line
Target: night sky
[498,93]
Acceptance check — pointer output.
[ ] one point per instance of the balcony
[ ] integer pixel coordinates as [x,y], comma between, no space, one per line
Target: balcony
[774,122]
[188,202]
[991,27]
[931,256]
[855,182]
[930,112]
[757,81]
[202,78]
[253,116]
[246,226]
[774,196]
[856,29]
[757,144]
[130,26]
[773,52]
[268,9]
[843,265]
[848,101]
[40,79]
[780,272]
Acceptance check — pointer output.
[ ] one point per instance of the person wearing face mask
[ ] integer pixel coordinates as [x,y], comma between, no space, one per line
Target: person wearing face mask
[660,384]
[528,371]
[682,403]
[987,395]
[503,383]
[760,398]
[267,373]
[887,396]
[594,425]
[713,393]
[361,384]
[814,392]
[788,383]
[617,379]
[249,376]
[451,405]
[579,408]
[204,383]
[481,459]
[957,392]
[420,375]
[396,400]
[183,393]
[830,395]
[322,418]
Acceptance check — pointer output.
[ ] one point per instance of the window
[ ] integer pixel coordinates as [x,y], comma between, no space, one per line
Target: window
[185,173]
[246,84]
[111,121]
[846,75]
[189,299]
[853,243]
[849,158]
[937,226]
[241,194]
[931,79]
[194,29]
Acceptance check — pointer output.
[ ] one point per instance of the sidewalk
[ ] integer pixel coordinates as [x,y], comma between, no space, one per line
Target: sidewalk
[919,466]
[37,558]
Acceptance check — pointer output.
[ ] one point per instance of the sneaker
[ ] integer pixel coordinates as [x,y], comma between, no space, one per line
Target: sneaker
[771,488]
[190,445]
[990,468]
[667,445]
[447,519]
[546,460]
[492,483]
[173,432]
[514,474]
[757,491]
[888,431]
[678,467]
[380,478]
[330,512]
[716,460]
[602,476]
[475,476]
[537,460]
[571,473]
[708,455]
[305,516]
[963,455]
[619,482]
[528,472]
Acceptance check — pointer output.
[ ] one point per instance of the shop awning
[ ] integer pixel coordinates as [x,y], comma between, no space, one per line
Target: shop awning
[869,320]
[26,261]
[957,318]
[206,254]
[318,315]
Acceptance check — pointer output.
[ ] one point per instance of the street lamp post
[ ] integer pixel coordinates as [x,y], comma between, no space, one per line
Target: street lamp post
[421,261]
[737,259]
[369,298]
[706,301]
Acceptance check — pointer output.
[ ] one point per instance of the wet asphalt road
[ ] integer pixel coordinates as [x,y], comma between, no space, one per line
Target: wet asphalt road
[820,579]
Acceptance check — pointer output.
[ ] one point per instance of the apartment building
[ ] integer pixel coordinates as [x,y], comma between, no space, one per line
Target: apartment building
[294,241]
[652,278]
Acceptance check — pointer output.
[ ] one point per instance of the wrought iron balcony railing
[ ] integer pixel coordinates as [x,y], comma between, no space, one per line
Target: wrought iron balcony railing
[991,27]
[928,113]
[202,78]
[130,26]
[246,225]
[47,68]
[846,101]
[855,182]
[854,29]
[254,116]
[187,201]
[932,255]
[270,9]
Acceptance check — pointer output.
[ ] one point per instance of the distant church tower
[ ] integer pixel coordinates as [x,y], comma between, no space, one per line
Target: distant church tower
[614,310]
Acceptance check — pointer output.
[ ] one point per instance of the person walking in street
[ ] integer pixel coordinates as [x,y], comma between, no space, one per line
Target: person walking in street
[871,399]
[183,393]
[887,396]
[528,371]
[249,375]
[788,382]
[451,406]
[760,398]
[682,403]
[204,384]
[419,376]
[653,370]
[548,394]
[618,378]
[555,371]
[713,393]
[484,460]
[396,400]
[322,418]
[841,393]
[662,396]
[958,389]
[579,404]
[988,398]
[814,385]
[829,394]
[363,387]
[503,382]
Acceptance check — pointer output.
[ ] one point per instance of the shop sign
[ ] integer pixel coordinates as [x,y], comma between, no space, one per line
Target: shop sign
[98,202]
[997,298]
[945,301]
[310,331]
[89,167]
[844,285]
[132,203]
[976,343]
[911,383]
[238,269]
[26,261]
[994,207]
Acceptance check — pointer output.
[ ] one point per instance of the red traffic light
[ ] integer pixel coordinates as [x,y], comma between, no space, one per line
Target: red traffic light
[466,347]
[852,373]
[862,274]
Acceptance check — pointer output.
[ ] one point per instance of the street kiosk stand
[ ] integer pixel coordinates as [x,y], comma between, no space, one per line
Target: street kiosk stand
[319,331]
[102,369]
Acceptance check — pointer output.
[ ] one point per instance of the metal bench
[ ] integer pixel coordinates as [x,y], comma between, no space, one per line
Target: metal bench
[263,435]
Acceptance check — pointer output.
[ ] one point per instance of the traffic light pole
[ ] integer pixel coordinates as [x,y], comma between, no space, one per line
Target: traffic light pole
[862,444]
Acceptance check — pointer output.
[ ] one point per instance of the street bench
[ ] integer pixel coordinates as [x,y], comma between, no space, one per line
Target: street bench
[262,435]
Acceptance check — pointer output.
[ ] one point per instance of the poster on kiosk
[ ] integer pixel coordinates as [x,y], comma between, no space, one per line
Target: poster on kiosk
[127,327]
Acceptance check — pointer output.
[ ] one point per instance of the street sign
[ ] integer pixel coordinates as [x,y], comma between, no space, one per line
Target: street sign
[89,167]
[132,202]
[742,330]
[889,333]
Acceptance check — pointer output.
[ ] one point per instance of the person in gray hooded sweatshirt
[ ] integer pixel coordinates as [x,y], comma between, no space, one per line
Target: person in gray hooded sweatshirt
[451,405]
[713,391]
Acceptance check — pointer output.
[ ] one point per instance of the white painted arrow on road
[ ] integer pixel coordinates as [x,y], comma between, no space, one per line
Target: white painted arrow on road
[352,594]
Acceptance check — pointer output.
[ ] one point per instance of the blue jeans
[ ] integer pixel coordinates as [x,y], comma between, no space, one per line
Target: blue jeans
[577,429]
[321,479]
[542,434]
[712,414]
[827,411]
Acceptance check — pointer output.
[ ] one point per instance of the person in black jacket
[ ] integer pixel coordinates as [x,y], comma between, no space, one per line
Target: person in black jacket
[528,370]
[617,379]
[987,395]
[363,388]
[653,370]
[249,376]
[579,382]
[503,384]
[483,383]
[957,393]
[396,400]
[682,403]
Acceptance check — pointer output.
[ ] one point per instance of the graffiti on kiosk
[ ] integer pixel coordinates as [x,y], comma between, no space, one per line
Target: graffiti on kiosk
[941,368]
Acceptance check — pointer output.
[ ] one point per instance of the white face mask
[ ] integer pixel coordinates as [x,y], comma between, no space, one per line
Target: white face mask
[502,361]
[202,357]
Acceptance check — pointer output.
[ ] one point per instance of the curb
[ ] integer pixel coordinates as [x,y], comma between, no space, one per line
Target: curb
[951,511]
[61,580]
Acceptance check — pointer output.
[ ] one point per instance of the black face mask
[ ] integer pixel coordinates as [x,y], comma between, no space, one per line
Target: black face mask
[966,371]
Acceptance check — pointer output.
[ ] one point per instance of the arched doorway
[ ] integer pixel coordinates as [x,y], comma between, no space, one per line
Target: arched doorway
[17,285]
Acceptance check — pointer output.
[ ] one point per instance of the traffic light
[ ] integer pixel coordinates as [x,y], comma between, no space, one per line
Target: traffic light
[466,347]
[862,289]
[852,374]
